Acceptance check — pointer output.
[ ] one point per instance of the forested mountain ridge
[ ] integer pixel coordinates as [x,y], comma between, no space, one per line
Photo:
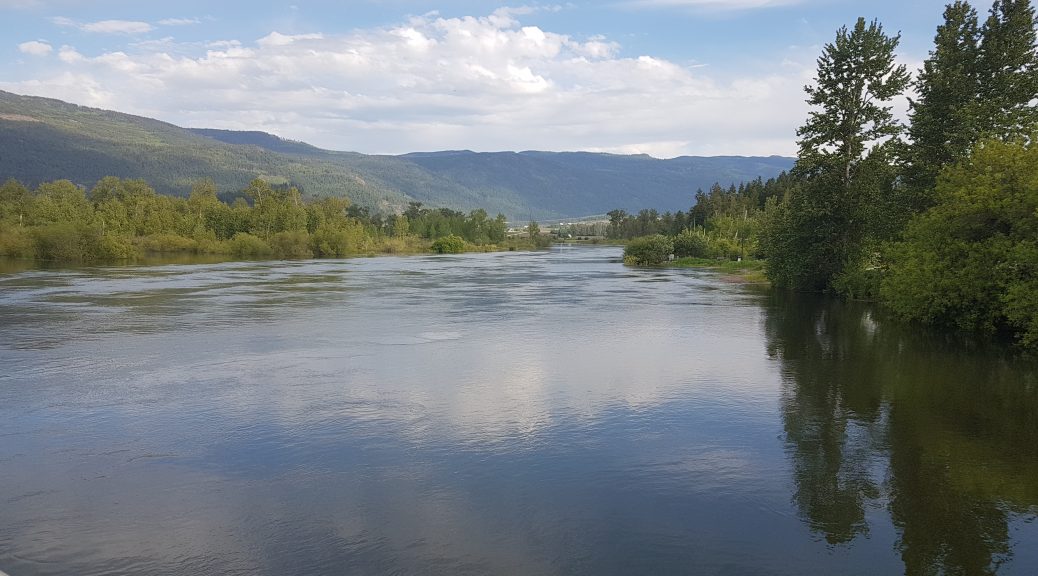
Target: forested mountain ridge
[43,139]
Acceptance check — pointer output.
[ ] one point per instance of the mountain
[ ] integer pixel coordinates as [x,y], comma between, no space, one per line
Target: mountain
[43,139]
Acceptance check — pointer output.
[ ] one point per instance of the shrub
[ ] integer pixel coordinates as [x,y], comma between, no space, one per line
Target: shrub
[245,245]
[691,244]
[336,241]
[971,261]
[167,243]
[17,242]
[63,241]
[648,250]
[115,247]
[449,244]
[291,245]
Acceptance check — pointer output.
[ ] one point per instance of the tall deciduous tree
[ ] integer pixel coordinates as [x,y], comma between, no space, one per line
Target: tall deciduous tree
[821,235]
[1009,70]
[944,123]
[857,78]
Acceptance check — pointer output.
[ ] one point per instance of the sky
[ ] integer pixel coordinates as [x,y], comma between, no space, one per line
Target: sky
[659,77]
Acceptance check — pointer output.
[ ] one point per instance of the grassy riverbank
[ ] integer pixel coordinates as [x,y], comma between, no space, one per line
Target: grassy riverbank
[745,271]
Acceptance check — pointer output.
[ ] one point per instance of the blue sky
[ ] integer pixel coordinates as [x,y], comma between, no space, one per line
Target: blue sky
[664,77]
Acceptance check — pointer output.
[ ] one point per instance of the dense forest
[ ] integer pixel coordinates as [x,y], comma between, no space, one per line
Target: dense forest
[938,220]
[123,219]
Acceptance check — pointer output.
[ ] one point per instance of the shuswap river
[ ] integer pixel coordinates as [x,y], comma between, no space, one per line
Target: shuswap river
[499,414]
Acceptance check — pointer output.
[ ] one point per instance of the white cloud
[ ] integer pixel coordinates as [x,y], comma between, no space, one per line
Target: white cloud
[118,27]
[35,48]
[179,21]
[105,26]
[712,5]
[484,83]
[69,55]
[278,39]
[63,21]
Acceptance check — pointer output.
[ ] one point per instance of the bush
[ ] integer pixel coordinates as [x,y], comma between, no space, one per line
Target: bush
[689,244]
[168,243]
[17,242]
[449,244]
[64,242]
[331,241]
[648,250]
[114,247]
[245,245]
[291,245]
[971,261]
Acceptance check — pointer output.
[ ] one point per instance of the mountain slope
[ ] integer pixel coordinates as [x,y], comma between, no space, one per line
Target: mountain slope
[43,139]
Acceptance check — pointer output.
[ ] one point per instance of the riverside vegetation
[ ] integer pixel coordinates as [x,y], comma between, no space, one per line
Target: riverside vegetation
[122,219]
[941,226]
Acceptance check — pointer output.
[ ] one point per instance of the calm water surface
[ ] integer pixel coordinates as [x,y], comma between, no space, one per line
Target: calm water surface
[546,413]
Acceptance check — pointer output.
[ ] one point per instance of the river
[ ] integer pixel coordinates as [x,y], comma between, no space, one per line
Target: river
[511,413]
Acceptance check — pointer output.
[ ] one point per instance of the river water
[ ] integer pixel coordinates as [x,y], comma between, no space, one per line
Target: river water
[515,413]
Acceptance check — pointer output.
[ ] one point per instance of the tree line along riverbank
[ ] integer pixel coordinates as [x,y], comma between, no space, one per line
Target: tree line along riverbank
[121,219]
[937,219]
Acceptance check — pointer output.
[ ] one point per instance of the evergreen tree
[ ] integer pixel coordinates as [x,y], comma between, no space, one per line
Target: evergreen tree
[944,124]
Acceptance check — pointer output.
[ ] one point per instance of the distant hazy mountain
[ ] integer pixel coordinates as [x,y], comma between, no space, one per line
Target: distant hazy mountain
[43,139]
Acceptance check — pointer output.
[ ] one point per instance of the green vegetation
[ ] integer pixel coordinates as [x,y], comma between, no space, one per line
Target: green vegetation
[748,271]
[724,224]
[449,244]
[941,228]
[648,250]
[827,229]
[125,219]
[44,140]
[720,230]
[971,261]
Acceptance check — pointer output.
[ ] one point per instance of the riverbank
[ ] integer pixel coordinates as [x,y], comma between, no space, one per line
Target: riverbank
[171,248]
[740,271]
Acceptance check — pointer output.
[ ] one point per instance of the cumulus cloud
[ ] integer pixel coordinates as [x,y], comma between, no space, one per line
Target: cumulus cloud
[431,82]
[69,55]
[35,48]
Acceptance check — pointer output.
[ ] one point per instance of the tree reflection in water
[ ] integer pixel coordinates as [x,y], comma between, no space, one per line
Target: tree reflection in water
[942,435]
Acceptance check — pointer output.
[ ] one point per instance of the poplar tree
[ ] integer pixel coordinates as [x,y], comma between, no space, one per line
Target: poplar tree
[821,235]
[944,116]
[1008,70]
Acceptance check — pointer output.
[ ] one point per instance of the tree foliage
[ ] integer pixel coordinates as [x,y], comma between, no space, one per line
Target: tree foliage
[944,116]
[979,82]
[648,250]
[971,262]
[449,244]
[126,218]
[826,228]
[1008,71]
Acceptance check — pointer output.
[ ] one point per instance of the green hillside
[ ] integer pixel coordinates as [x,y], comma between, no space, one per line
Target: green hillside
[43,139]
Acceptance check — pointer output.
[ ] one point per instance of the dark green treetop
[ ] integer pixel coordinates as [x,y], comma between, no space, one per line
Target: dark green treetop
[857,78]
[944,123]
[1008,70]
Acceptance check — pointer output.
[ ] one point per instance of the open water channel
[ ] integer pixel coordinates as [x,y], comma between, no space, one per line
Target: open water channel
[512,413]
